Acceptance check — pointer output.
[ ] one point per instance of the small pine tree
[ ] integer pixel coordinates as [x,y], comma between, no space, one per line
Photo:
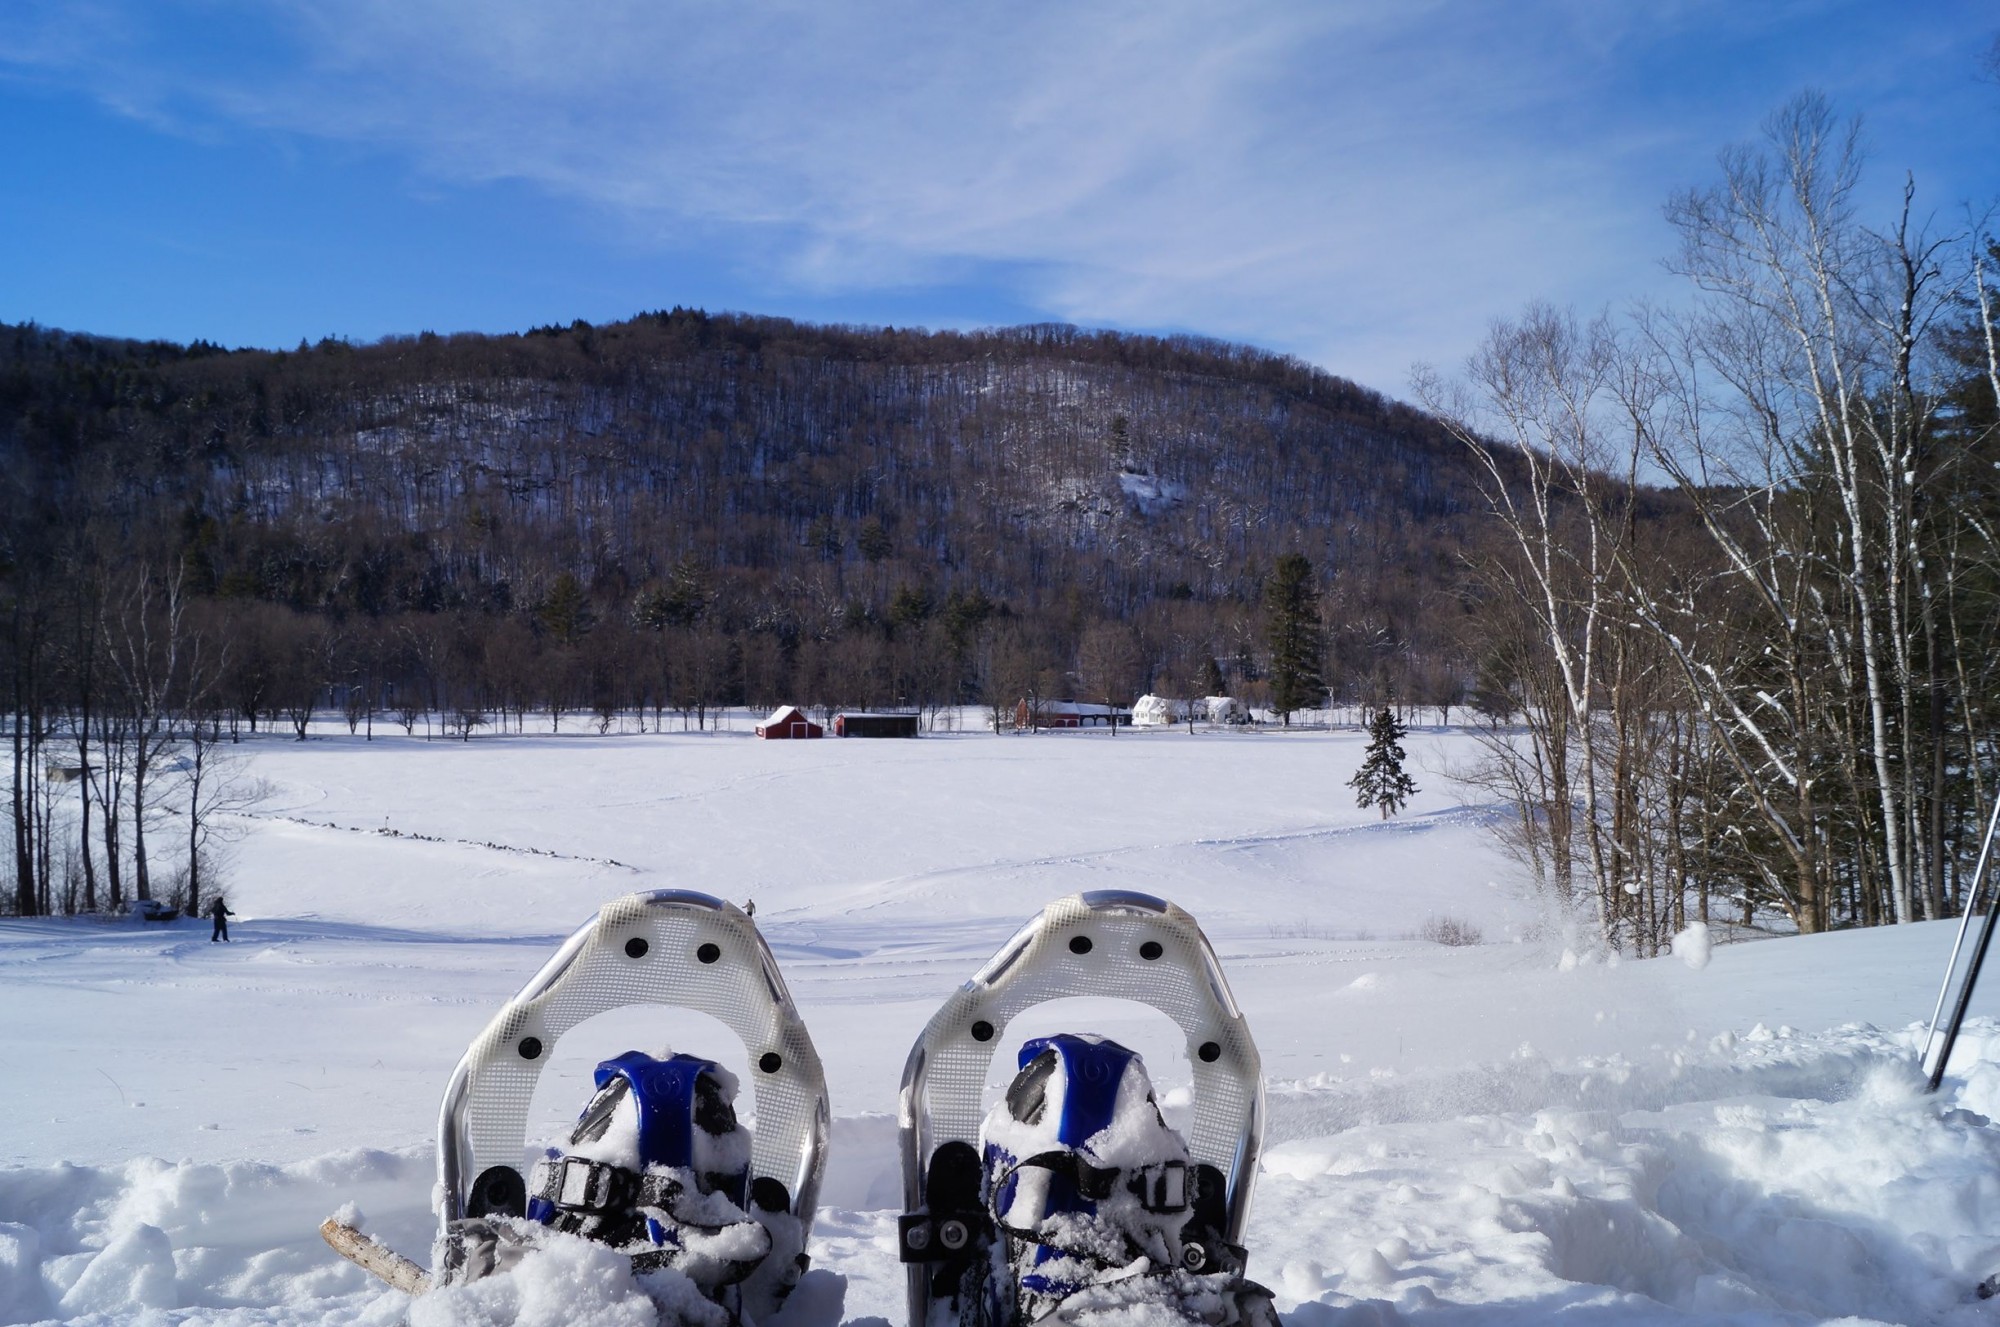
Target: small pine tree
[1381,782]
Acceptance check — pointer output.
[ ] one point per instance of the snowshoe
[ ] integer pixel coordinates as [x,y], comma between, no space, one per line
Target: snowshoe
[657,1165]
[1073,1198]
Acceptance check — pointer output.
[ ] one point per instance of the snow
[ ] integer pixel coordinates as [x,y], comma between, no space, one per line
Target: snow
[1150,494]
[574,1281]
[135,1270]
[1693,946]
[1502,1131]
[22,1295]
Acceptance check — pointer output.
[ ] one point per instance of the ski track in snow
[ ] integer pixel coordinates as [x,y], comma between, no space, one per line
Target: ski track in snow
[384,831]
[864,905]
[1484,1135]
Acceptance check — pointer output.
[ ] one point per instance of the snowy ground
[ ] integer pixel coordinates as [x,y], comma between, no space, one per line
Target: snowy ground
[1486,1134]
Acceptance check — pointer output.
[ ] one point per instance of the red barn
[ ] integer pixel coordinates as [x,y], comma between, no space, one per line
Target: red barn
[1070,714]
[789,721]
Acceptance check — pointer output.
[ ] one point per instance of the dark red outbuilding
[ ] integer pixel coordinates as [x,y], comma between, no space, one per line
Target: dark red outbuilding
[789,721]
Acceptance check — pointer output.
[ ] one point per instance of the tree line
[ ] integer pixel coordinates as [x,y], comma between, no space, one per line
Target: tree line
[1743,627]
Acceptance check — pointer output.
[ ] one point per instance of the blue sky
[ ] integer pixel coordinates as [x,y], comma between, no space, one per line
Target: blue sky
[1365,185]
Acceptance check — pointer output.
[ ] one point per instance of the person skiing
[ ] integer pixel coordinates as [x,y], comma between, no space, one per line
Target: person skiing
[218,911]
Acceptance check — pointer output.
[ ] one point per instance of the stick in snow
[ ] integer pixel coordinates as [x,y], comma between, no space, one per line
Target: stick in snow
[371,1255]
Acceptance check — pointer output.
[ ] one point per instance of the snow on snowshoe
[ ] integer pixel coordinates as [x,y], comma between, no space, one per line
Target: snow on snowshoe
[658,1168]
[1073,1198]
[657,1165]
[1089,1193]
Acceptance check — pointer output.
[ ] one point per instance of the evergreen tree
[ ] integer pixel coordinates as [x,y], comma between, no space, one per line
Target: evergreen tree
[874,541]
[681,602]
[565,612]
[911,606]
[1208,682]
[1292,630]
[1381,782]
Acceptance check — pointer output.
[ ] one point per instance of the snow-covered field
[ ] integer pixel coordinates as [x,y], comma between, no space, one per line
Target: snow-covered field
[1485,1134]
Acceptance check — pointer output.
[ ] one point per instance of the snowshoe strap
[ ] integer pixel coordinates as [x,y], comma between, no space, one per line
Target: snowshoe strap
[1161,1188]
[634,1213]
[578,1184]
[1094,1183]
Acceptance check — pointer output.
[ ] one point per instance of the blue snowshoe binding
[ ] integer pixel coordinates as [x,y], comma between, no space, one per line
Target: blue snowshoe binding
[1092,1206]
[658,1169]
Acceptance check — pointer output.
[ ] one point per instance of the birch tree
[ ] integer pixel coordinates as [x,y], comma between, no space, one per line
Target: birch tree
[1808,340]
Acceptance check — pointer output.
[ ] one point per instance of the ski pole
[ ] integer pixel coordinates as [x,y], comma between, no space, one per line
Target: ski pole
[1935,1074]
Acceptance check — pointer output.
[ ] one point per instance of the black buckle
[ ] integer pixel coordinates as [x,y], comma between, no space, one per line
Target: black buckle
[1162,1188]
[578,1184]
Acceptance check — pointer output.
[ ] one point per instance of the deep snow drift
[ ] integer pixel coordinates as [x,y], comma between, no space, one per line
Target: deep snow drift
[1492,1132]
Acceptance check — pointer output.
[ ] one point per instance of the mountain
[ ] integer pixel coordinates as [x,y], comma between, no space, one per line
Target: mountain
[758,478]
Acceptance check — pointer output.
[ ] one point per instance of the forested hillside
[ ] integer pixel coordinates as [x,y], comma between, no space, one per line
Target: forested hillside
[810,497]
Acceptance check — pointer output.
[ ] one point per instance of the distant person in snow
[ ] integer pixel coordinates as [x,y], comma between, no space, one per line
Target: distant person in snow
[219,911]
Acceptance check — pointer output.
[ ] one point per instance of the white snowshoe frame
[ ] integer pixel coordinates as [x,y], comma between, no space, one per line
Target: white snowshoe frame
[670,947]
[1108,943]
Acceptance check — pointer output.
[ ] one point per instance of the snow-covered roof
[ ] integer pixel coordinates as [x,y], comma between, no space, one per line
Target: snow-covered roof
[784,712]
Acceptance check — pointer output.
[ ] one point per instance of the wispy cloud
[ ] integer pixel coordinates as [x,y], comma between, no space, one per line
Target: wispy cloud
[1362,184]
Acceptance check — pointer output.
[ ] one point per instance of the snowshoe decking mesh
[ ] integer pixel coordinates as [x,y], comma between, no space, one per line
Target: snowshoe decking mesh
[1109,944]
[675,948]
